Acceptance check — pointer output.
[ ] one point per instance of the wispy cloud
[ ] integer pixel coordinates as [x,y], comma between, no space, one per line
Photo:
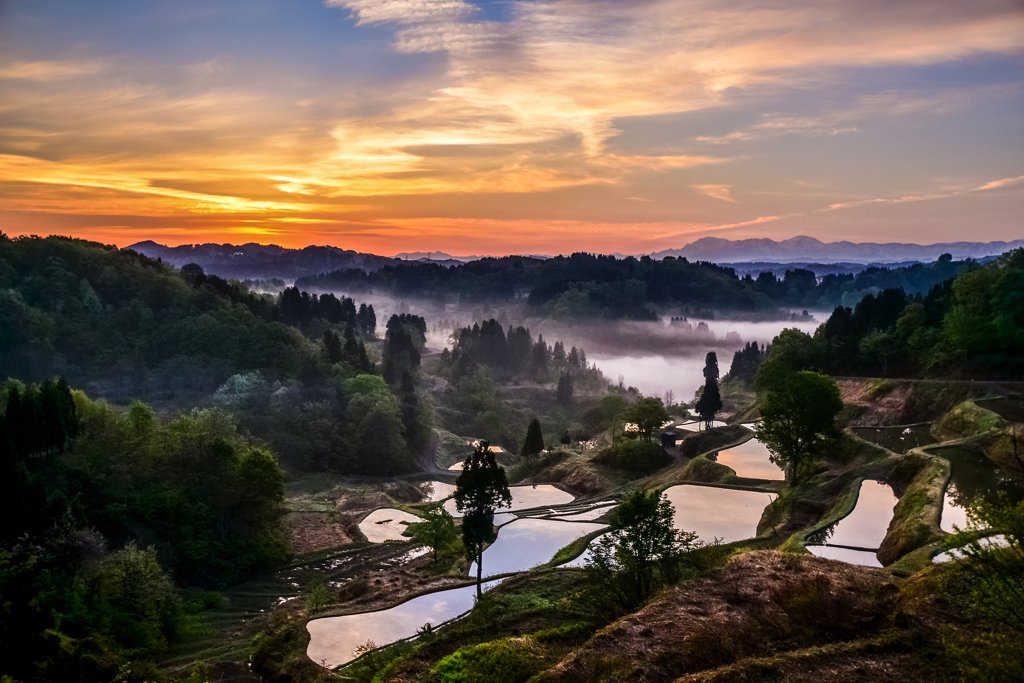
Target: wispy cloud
[404,11]
[882,105]
[723,192]
[1017,182]
[50,70]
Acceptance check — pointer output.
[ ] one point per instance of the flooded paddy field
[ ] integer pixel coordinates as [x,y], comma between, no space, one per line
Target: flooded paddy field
[387,524]
[857,537]
[712,513]
[898,439]
[751,459]
[334,640]
[973,477]
[525,497]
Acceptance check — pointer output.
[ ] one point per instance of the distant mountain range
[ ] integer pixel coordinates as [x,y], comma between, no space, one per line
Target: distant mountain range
[803,248]
[259,261]
[438,256]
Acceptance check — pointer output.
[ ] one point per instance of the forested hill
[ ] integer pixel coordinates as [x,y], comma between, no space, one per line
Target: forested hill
[971,326]
[587,286]
[261,261]
[124,324]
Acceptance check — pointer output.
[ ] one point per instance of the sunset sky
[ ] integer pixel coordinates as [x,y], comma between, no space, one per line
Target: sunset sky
[496,127]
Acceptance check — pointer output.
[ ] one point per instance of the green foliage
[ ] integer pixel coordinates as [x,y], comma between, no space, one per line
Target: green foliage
[588,286]
[405,337]
[77,306]
[605,413]
[745,363]
[73,612]
[798,420]
[998,569]
[207,500]
[971,322]
[574,631]
[642,552]
[317,595]
[791,351]
[634,456]
[996,657]
[375,424]
[647,414]
[503,661]
[436,531]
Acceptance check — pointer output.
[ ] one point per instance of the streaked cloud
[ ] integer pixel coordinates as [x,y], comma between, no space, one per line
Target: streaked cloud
[50,70]
[882,105]
[723,192]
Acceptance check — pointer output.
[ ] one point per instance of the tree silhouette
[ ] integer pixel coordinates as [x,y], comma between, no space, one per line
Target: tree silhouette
[534,442]
[565,388]
[710,401]
[480,489]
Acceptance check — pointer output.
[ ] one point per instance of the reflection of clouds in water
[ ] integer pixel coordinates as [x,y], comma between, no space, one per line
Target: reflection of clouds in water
[334,639]
[954,512]
[867,525]
[434,491]
[586,516]
[751,459]
[524,497]
[526,543]
[727,514]
[861,557]
[386,524]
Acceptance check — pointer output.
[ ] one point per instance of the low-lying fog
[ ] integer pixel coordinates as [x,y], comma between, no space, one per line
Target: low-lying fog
[659,357]
[654,357]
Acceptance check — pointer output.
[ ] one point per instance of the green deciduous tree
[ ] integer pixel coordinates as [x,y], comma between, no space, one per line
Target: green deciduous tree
[798,420]
[641,552]
[481,488]
[647,414]
[375,429]
[789,352]
[436,531]
[534,442]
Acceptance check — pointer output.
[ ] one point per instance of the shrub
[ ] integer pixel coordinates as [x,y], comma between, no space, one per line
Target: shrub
[999,593]
[635,456]
[501,661]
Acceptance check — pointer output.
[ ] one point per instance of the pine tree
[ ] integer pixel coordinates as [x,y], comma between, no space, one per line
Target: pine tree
[480,489]
[534,442]
[565,388]
[351,346]
[710,401]
[332,347]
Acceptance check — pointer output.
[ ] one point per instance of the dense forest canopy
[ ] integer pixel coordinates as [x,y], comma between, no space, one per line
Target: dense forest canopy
[102,511]
[96,313]
[587,285]
[971,325]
